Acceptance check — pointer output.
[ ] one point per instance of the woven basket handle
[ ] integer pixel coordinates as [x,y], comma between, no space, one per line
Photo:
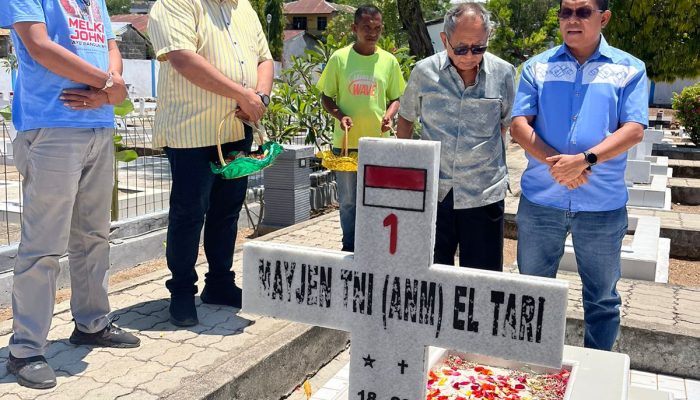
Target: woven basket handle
[220,130]
[344,150]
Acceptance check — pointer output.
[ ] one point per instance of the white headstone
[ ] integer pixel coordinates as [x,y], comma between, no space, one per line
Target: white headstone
[391,297]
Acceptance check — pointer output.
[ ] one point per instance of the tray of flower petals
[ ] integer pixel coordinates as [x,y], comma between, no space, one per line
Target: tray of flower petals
[459,376]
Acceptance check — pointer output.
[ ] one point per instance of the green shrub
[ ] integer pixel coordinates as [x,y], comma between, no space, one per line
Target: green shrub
[687,106]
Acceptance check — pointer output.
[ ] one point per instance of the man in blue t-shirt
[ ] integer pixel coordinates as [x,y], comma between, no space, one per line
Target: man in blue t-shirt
[69,78]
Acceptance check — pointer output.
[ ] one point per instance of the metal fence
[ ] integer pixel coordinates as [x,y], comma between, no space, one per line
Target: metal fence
[143,184]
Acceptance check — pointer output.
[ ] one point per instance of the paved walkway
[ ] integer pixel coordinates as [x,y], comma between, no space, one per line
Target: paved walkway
[169,358]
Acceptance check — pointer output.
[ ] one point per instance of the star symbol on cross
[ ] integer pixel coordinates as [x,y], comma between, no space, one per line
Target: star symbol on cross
[369,361]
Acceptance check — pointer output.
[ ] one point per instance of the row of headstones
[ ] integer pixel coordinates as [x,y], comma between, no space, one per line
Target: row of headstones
[647,175]
[396,302]
[292,190]
[646,256]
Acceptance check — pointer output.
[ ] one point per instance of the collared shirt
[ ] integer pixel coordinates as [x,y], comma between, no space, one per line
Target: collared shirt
[575,108]
[467,121]
[229,35]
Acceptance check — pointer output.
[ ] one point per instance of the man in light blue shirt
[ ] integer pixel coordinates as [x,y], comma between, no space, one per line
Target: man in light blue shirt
[69,78]
[579,108]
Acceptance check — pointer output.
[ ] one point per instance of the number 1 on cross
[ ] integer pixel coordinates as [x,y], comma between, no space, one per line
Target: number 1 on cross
[392,222]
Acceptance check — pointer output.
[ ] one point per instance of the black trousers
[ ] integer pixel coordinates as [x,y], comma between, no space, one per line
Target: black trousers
[478,232]
[198,198]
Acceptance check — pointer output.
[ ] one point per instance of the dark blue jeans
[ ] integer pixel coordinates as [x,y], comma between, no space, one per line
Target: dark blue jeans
[597,239]
[200,198]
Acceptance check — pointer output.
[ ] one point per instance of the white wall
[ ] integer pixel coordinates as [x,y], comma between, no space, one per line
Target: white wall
[293,47]
[434,33]
[5,81]
[663,92]
[138,74]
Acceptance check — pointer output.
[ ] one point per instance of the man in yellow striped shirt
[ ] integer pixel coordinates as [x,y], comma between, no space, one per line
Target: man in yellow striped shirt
[214,59]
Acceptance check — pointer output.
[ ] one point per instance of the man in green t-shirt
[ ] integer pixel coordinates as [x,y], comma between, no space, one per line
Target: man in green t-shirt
[360,86]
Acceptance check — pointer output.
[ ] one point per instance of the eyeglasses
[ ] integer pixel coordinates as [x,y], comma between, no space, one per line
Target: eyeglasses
[464,50]
[581,13]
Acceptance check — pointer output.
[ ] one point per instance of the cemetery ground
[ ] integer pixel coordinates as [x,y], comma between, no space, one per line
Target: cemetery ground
[241,356]
[244,356]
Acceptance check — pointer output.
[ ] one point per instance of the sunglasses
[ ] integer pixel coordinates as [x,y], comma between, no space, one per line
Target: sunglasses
[464,50]
[581,13]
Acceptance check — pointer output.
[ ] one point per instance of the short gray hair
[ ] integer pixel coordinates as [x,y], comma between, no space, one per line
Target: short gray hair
[467,8]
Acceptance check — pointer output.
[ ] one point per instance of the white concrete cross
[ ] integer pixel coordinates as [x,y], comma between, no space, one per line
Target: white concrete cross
[391,297]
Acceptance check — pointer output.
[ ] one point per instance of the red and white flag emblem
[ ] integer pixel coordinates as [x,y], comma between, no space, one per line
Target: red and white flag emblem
[394,187]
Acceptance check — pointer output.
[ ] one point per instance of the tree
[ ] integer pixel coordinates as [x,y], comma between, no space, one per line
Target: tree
[116,7]
[340,26]
[411,16]
[523,28]
[275,29]
[665,34]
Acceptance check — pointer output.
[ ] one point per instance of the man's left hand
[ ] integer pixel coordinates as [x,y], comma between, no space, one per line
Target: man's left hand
[567,167]
[79,99]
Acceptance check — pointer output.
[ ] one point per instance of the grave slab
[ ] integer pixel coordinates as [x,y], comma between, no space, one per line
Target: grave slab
[654,195]
[588,381]
[391,297]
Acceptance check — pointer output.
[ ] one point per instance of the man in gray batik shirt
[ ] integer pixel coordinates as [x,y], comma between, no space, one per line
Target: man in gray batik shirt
[463,97]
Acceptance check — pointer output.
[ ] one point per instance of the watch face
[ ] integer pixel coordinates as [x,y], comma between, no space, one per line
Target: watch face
[591,158]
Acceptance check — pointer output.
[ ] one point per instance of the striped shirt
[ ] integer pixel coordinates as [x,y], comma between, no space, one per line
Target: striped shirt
[229,35]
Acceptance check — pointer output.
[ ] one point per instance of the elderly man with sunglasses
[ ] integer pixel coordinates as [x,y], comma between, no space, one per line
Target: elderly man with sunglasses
[463,97]
[579,108]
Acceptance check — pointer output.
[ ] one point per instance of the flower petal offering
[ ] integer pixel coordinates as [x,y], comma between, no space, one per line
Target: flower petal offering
[460,379]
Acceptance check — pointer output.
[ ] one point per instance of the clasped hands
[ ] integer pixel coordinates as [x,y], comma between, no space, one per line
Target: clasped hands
[93,98]
[570,170]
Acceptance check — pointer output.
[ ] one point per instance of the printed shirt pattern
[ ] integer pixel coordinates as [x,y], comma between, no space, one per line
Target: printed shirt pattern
[467,121]
[81,26]
[362,86]
[575,108]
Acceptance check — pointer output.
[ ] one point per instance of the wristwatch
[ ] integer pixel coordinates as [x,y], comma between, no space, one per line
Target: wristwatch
[109,83]
[591,158]
[264,98]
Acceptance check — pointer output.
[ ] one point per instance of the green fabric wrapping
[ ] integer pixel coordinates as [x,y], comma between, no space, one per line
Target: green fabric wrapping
[245,166]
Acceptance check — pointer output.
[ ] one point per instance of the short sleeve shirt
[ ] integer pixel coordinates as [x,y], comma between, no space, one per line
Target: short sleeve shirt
[467,121]
[228,34]
[575,108]
[362,86]
[82,27]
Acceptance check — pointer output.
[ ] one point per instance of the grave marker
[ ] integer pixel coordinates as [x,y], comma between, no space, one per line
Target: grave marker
[391,297]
